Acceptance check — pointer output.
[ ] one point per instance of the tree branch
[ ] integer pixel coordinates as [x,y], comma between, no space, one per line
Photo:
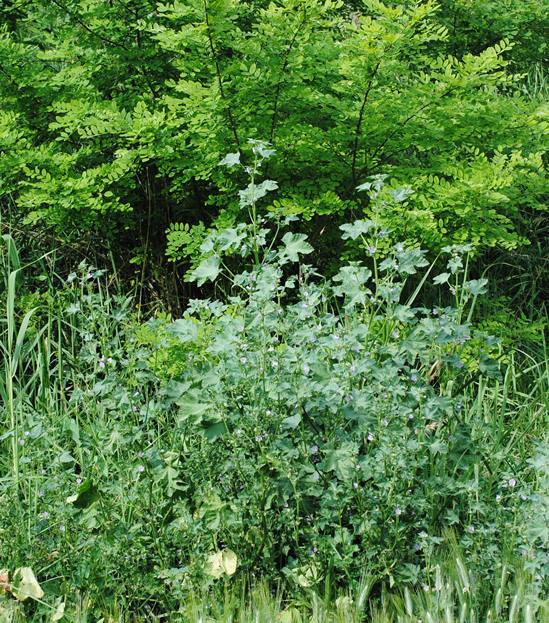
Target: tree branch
[358,128]
[278,87]
[219,76]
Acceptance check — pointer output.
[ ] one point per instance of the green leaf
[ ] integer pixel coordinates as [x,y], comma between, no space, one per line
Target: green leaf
[213,431]
[342,461]
[230,160]
[207,270]
[254,192]
[294,246]
[442,278]
[291,422]
[85,496]
[354,230]
[476,286]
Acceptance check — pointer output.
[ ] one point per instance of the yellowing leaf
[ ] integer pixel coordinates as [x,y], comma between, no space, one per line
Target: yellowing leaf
[289,616]
[26,585]
[229,561]
[220,563]
[214,565]
[59,611]
[4,580]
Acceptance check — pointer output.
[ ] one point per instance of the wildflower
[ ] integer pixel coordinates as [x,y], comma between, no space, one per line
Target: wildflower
[395,333]
[355,485]
[498,498]
[62,528]
[313,449]
[110,360]
[372,249]
[44,515]
[512,482]
[274,364]
[40,493]
[140,468]
[398,511]
[370,437]
[385,422]
[27,433]
[413,378]
[306,368]
[21,442]
[470,529]
[243,360]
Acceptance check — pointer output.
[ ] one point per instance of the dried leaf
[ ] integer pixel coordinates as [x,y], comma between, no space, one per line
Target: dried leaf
[59,611]
[229,561]
[4,581]
[214,565]
[26,585]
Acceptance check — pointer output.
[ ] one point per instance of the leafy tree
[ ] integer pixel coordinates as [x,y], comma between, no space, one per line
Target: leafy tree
[115,115]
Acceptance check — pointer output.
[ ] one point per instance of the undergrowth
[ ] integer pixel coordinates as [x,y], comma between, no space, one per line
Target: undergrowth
[301,449]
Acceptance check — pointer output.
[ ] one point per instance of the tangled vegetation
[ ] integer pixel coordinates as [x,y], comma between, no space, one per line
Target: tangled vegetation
[310,380]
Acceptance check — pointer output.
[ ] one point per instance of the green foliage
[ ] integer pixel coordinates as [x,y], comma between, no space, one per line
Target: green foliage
[114,117]
[322,430]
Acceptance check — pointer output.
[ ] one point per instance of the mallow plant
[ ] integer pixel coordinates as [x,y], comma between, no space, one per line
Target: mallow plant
[320,420]
[317,433]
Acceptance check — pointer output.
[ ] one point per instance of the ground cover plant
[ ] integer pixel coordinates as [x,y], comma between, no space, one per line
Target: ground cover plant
[375,458]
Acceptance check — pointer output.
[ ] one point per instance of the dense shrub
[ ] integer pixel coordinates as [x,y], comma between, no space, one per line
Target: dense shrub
[113,118]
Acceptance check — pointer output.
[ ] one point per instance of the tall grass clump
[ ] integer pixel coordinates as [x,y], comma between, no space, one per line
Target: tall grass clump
[368,451]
